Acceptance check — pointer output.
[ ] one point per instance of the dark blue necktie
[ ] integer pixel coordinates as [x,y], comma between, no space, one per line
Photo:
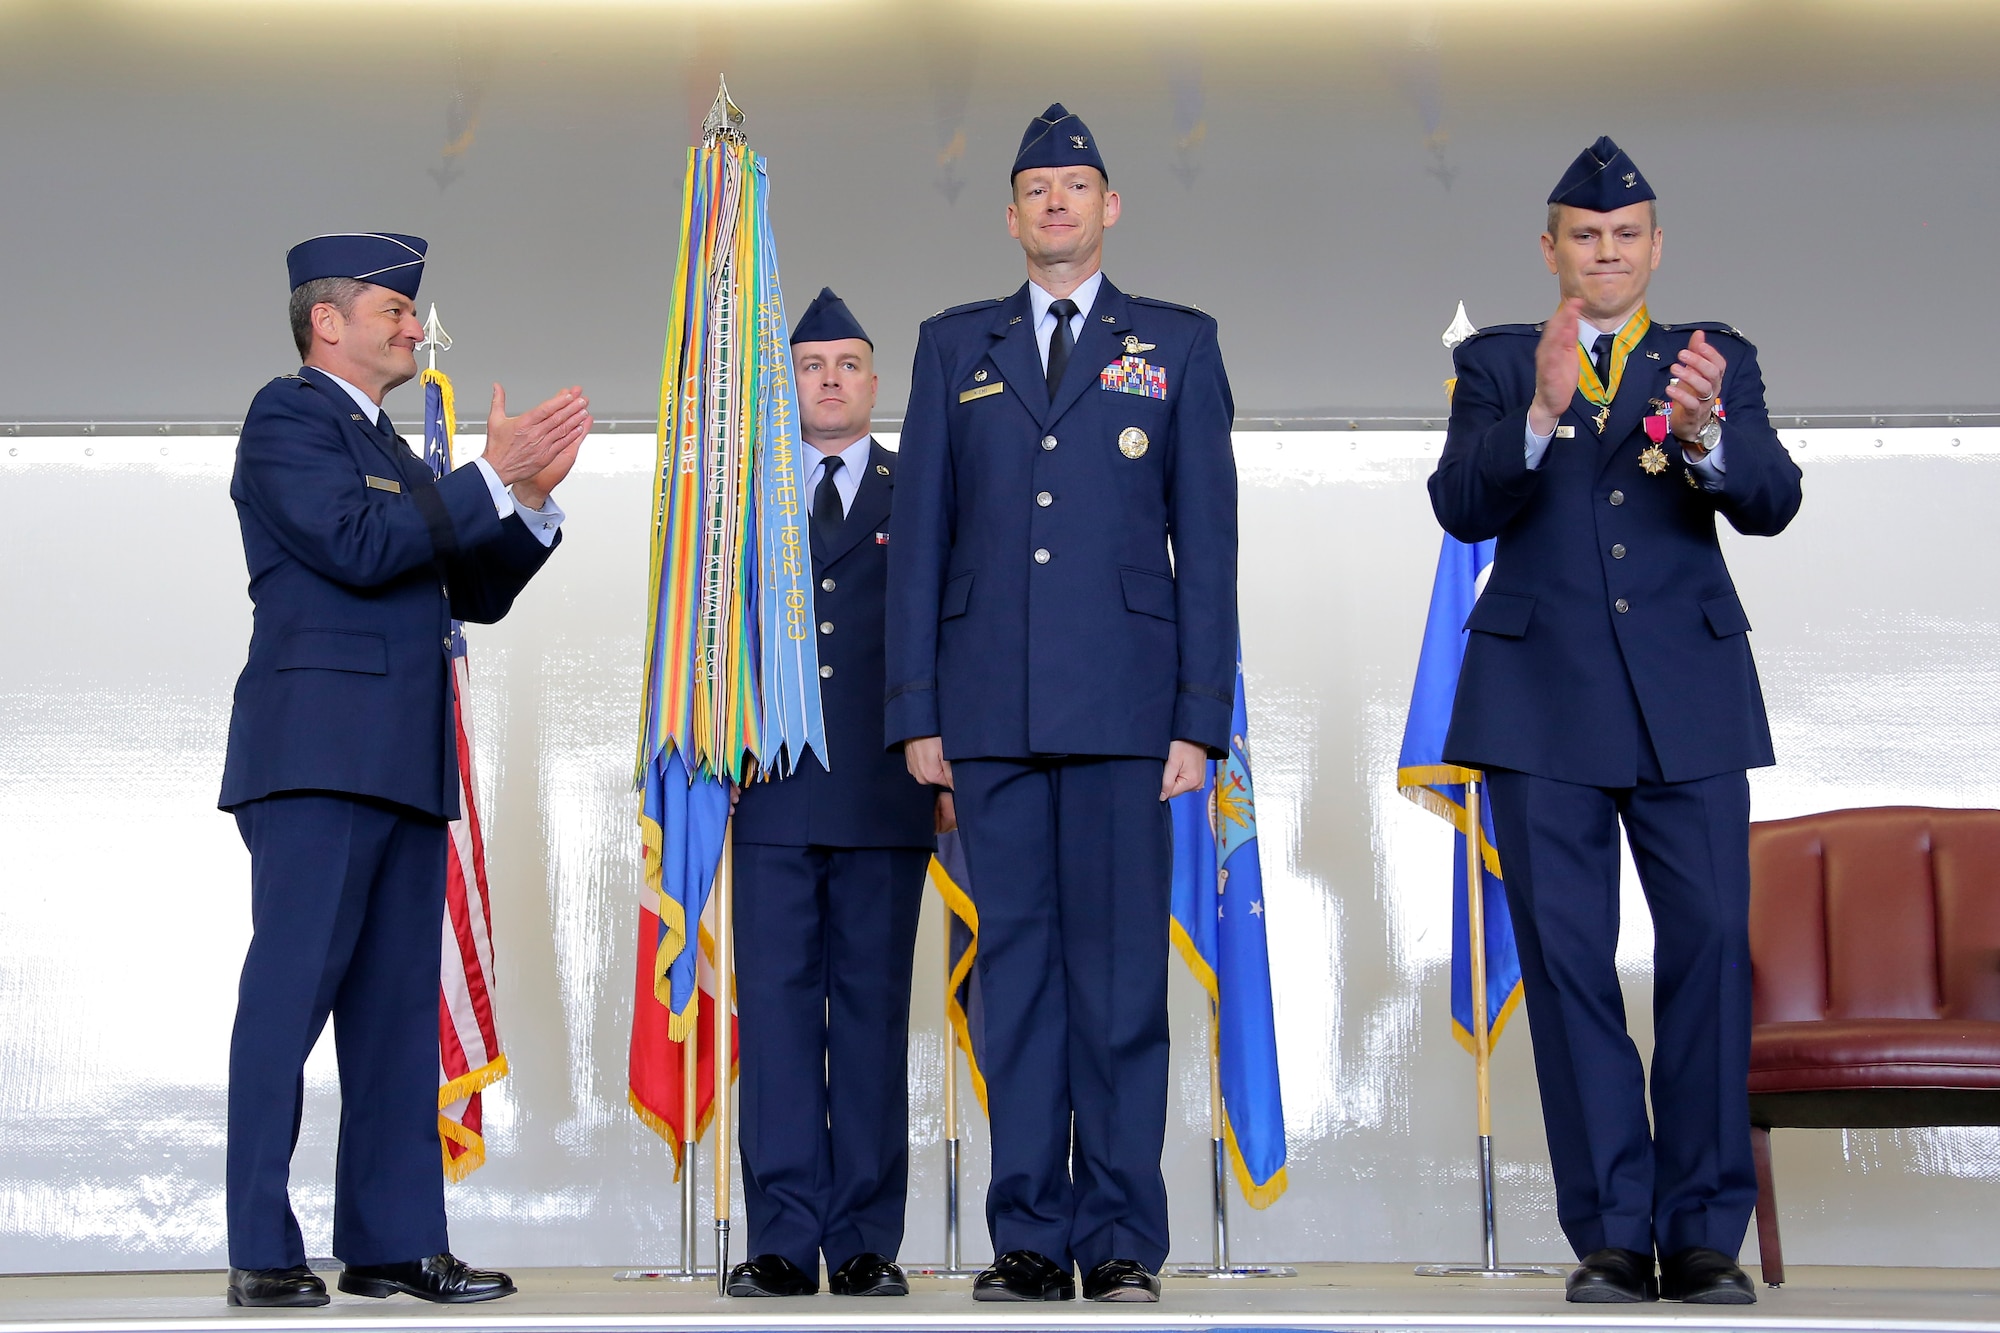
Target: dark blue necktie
[827,514]
[1060,343]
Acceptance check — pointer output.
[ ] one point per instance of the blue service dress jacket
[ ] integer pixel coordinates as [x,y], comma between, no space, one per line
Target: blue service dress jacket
[1609,607]
[359,562]
[858,794]
[1062,578]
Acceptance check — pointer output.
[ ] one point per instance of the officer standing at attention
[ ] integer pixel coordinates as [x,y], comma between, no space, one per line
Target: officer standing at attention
[1062,652]
[342,770]
[829,880]
[1607,679]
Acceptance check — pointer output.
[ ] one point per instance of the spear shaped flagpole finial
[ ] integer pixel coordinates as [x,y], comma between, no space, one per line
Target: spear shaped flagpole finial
[1461,328]
[725,118]
[435,338]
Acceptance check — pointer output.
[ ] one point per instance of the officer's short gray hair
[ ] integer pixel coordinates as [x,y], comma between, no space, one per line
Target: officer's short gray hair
[340,293]
[1555,216]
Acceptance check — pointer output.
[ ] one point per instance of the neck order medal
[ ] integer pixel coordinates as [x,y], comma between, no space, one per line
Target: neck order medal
[1596,390]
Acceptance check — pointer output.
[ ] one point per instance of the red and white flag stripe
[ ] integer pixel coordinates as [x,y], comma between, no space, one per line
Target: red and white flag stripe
[469,1054]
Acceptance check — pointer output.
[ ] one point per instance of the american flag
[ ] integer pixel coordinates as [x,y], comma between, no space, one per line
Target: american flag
[469,1054]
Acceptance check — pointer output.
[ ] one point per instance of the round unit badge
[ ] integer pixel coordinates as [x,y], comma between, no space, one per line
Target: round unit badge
[1132,442]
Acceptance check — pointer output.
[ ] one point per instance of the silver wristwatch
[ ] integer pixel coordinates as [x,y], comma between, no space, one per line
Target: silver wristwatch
[1709,436]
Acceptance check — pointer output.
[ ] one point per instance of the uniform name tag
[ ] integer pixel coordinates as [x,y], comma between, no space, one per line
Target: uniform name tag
[1565,432]
[384,484]
[982,392]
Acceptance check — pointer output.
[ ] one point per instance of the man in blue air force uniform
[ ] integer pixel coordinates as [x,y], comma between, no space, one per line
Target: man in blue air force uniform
[1062,638]
[829,880]
[342,768]
[1608,678]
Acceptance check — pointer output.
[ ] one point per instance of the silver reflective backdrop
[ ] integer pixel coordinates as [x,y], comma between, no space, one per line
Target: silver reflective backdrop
[123,894]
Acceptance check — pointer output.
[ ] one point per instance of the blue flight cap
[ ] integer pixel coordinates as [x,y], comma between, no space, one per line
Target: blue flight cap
[827,320]
[381,257]
[1602,180]
[1057,138]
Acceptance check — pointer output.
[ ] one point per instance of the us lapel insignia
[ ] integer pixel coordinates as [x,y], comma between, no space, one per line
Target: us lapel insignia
[356,415]
[1132,442]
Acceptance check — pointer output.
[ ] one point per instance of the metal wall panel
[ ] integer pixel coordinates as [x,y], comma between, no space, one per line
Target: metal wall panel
[123,915]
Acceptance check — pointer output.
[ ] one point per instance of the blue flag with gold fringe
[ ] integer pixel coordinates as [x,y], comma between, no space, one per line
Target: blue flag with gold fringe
[1218,926]
[1424,777]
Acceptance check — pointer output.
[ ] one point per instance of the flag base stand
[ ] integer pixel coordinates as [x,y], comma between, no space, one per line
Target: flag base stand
[1221,1268]
[661,1275]
[1233,1271]
[950,1268]
[1492,1267]
[1474,1270]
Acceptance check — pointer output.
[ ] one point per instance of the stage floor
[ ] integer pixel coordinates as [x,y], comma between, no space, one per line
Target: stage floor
[1322,1296]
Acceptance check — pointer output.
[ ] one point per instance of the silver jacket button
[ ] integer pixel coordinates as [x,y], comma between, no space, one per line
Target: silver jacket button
[1048,441]
[1042,555]
[825,671]
[826,585]
[1622,606]
[1618,497]
[1618,551]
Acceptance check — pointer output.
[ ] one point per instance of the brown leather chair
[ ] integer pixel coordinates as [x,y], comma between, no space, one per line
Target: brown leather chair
[1875,939]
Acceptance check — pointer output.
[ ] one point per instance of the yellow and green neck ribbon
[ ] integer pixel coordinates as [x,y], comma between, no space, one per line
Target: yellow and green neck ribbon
[1628,338]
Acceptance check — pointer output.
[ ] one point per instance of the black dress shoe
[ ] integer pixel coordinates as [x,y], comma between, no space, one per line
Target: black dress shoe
[296,1286]
[772,1275]
[1023,1275]
[868,1274]
[1120,1280]
[1613,1277]
[1699,1276]
[441,1278]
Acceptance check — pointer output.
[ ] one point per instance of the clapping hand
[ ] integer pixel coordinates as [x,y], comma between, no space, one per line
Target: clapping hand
[533,452]
[1697,380]
[1556,367]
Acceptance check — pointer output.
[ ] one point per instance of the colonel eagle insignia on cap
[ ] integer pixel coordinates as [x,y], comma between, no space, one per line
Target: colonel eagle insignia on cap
[1602,179]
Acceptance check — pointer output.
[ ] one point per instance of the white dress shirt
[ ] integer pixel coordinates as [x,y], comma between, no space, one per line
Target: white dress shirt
[853,462]
[1707,471]
[1039,302]
[542,522]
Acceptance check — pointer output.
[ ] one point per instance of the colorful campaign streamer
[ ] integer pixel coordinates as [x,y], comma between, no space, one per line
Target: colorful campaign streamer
[731,686]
